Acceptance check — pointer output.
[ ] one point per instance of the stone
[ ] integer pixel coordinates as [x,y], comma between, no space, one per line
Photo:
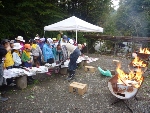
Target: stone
[63,71]
[21,82]
[85,63]
[80,65]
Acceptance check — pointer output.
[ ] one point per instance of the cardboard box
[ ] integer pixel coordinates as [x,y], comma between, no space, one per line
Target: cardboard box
[90,69]
[77,88]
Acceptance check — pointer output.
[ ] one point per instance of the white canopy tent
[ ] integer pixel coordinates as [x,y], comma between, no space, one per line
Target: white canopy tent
[73,24]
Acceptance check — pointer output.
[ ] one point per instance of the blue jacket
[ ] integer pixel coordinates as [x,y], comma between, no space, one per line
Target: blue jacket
[47,52]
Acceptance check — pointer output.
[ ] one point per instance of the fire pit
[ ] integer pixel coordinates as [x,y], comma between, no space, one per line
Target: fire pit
[138,64]
[126,85]
[143,54]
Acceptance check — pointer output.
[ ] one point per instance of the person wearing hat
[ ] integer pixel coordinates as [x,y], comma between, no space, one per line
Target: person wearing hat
[48,53]
[36,52]
[20,40]
[37,39]
[63,41]
[41,42]
[16,55]
[12,43]
[3,52]
[27,60]
[8,62]
[26,56]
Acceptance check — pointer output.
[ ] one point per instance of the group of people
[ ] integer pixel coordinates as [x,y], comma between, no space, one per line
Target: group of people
[16,53]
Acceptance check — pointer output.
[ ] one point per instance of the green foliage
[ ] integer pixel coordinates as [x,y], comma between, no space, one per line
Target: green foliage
[28,17]
[133,18]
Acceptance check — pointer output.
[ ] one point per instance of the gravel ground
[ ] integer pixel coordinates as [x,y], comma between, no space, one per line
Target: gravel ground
[51,95]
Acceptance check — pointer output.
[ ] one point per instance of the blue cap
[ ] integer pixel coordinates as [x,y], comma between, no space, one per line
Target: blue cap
[65,37]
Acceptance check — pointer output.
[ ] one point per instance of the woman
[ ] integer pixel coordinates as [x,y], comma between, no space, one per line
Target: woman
[36,52]
[48,53]
[16,55]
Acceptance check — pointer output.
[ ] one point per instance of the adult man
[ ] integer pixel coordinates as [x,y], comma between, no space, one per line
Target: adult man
[3,52]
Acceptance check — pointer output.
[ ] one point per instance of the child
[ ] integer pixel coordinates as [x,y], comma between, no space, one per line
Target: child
[20,40]
[26,59]
[36,52]
[16,55]
[8,61]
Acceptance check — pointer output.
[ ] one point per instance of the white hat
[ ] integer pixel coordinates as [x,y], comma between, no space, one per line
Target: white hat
[50,40]
[42,39]
[17,46]
[20,38]
[71,41]
[36,38]
[12,41]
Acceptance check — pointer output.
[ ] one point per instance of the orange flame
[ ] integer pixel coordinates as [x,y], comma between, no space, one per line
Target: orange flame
[145,51]
[136,78]
[139,63]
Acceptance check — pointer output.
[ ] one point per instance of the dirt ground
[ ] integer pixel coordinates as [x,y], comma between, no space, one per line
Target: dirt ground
[51,95]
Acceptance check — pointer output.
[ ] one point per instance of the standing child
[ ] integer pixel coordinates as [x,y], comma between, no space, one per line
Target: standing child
[16,55]
[26,59]
[36,52]
[8,61]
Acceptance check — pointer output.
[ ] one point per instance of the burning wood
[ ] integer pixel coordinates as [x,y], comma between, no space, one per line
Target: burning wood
[143,54]
[145,51]
[125,85]
[138,63]
[132,79]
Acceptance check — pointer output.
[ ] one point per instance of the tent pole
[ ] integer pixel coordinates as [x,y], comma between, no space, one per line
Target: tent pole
[76,36]
[44,34]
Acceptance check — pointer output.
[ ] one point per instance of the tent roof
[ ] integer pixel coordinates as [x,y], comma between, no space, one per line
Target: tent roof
[72,24]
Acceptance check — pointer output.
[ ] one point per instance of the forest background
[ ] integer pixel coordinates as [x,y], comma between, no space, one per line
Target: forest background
[28,17]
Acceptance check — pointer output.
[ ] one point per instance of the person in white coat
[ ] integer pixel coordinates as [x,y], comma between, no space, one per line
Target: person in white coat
[16,55]
[74,53]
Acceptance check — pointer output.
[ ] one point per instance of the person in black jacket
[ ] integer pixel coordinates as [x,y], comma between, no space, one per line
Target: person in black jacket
[3,52]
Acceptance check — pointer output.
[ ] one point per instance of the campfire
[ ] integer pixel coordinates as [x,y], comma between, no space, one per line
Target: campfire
[143,54]
[125,85]
[137,64]
[144,51]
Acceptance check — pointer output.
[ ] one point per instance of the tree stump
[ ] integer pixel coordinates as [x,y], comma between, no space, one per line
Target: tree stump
[21,82]
[81,64]
[63,71]
[85,63]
